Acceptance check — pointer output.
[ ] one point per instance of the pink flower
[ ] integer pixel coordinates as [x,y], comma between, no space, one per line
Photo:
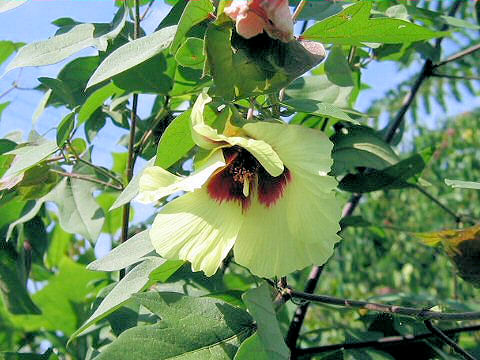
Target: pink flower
[254,16]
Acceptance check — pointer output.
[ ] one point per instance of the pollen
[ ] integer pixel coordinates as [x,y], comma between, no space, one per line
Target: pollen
[243,178]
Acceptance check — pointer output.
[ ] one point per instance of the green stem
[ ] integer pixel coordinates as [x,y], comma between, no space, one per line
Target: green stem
[86,178]
[131,142]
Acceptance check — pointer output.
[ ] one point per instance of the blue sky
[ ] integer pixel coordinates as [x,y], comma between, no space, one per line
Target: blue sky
[32,22]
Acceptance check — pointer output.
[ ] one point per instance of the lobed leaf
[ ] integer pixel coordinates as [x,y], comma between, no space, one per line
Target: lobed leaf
[190,328]
[353,26]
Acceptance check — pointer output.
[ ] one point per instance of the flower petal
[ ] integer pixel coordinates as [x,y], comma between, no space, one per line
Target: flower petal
[208,138]
[302,150]
[249,25]
[300,229]
[279,14]
[194,227]
[156,183]
[262,151]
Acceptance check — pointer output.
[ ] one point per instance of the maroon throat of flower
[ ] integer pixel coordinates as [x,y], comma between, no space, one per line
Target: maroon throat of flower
[243,177]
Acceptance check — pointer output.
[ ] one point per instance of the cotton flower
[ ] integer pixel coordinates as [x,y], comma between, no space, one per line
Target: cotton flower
[252,17]
[263,191]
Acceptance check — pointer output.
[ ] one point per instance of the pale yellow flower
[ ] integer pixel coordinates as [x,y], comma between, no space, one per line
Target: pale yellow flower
[252,17]
[263,191]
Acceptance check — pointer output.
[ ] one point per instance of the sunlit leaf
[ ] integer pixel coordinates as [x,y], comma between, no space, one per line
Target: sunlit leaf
[124,255]
[194,13]
[61,46]
[190,328]
[133,53]
[6,5]
[353,26]
[136,280]
[79,213]
[463,184]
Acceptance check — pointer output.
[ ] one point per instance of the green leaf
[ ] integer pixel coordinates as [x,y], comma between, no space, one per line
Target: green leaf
[74,77]
[6,146]
[79,213]
[260,306]
[252,345]
[166,270]
[190,53]
[137,279]
[29,155]
[190,328]
[242,67]
[354,221]
[337,68]
[392,177]
[319,88]
[41,106]
[73,284]
[194,13]
[57,249]
[133,53]
[24,356]
[65,129]
[463,184]
[353,27]
[318,108]
[150,76]
[7,48]
[176,140]
[113,219]
[28,213]
[129,193]
[61,46]
[360,146]
[319,10]
[126,254]
[10,210]
[12,284]
[60,90]
[96,100]
[3,106]
[6,5]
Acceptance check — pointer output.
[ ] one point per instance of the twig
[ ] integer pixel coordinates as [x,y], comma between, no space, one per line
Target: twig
[355,199]
[442,336]
[86,178]
[304,26]
[138,148]
[92,165]
[382,342]
[301,311]
[131,142]
[437,202]
[458,55]
[298,9]
[458,77]
[6,92]
[149,6]
[417,313]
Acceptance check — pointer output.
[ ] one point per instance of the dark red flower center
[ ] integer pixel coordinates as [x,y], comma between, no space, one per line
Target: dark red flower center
[242,177]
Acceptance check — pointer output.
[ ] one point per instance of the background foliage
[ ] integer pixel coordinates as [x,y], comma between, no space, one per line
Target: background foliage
[59,301]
